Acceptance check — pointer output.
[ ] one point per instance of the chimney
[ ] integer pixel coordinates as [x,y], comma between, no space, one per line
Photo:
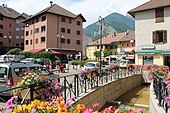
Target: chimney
[4,5]
[114,34]
[126,32]
[51,2]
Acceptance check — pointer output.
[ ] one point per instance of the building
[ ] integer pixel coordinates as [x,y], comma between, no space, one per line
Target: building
[11,29]
[54,29]
[110,43]
[152,32]
[127,45]
[86,41]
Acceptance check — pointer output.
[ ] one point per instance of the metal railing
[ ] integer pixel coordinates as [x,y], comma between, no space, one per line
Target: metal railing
[75,85]
[160,91]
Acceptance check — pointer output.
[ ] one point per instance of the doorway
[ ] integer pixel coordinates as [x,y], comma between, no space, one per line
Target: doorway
[167,60]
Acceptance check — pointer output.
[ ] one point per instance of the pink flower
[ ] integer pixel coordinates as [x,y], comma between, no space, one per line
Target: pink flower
[116,111]
[140,110]
[110,109]
[95,105]
[1,107]
[89,110]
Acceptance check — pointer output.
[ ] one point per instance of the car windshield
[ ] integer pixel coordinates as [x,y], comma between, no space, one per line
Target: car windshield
[89,65]
[28,59]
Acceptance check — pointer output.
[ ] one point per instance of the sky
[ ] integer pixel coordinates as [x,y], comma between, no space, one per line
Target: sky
[90,9]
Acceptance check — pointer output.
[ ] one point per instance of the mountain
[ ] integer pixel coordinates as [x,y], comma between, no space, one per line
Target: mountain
[114,22]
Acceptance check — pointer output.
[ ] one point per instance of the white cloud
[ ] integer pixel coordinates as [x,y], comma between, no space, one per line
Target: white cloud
[90,9]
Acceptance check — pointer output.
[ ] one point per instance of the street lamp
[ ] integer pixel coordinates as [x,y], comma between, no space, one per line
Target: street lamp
[9,37]
[100,19]
[60,36]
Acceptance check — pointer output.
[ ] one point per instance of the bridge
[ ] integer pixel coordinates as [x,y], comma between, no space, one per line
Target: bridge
[100,88]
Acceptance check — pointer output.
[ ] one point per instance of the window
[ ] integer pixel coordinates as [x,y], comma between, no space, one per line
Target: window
[10,25]
[78,41]
[1,43]
[17,44]
[22,37]
[26,42]
[78,32]
[17,29]
[147,60]
[122,44]
[63,19]
[22,29]
[27,33]
[1,35]
[36,40]
[17,21]
[42,39]
[36,20]
[78,23]
[159,15]
[43,18]
[36,30]
[68,41]
[42,28]
[62,40]
[1,17]
[70,21]
[17,37]
[1,26]
[160,37]
[22,44]
[31,42]
[63,30]
[127,45]
[68,31]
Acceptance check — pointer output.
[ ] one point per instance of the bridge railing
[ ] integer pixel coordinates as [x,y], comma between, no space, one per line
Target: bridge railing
[75,85]
[161,92]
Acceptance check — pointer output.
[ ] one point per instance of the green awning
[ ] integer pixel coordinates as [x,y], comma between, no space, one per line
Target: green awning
[148,52]
[165,52]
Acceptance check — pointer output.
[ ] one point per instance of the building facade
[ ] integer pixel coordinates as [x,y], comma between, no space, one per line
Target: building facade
[11,29]
[152,32]
[54,29]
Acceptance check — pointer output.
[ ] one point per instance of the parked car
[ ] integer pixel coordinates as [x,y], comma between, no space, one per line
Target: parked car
[10,73]
[45,62]
[11,58]
[28,60]
[91,65]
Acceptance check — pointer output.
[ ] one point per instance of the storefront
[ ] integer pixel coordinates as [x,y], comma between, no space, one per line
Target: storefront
[159,57]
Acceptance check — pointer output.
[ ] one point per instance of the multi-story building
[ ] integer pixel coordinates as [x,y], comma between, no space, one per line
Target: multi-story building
[55,29]
[110,43]
[11,29]
[152,32]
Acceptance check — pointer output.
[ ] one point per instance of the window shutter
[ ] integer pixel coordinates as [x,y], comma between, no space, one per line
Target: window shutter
[154,37]
[165,36]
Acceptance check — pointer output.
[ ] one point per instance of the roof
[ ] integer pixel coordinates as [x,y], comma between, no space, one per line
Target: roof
[109,39]
[36,50]
[8,12]
[130,36]
[152,4]
[24,15]
[56,9]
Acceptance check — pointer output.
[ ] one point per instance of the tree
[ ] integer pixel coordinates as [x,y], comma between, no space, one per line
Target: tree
[106,53]
[97,53]
[15,51]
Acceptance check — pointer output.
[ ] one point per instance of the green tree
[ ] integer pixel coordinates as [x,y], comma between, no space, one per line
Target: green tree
[15,51]
[97,53]
[106,53]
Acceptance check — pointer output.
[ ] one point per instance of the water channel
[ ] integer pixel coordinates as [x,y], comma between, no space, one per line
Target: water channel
[134,99]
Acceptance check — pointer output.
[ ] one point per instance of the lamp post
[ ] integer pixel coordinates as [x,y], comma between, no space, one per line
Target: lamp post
[60,36]
[100,19]
[9,37]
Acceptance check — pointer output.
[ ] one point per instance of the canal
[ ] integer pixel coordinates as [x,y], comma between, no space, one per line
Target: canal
[133,99]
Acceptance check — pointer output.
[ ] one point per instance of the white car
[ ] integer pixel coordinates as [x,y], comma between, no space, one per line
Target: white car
[28,60]
[91,65]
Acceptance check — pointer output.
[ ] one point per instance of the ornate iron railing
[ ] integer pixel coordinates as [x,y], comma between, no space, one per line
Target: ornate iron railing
[75,85]
[160,91]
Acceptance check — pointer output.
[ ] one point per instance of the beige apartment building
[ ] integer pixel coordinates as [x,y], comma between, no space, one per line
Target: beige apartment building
[11,29]
[152,32]
[54,29]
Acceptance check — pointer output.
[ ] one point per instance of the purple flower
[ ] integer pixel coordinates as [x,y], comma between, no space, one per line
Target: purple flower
[14,98]
[140,110]
[110,109]
[116,111]
[67,104]
[168,86]
[9,107]
[1,107]
[73,98]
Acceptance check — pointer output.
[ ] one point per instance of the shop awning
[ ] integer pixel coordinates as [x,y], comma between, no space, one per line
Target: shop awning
[148,51]
[55,52]
[36,50]
[165,52]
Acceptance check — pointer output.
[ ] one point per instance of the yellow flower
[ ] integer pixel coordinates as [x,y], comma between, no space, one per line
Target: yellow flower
[62,110]
[80,107]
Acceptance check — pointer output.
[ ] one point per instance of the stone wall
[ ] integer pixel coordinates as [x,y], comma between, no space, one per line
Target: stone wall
[110,91]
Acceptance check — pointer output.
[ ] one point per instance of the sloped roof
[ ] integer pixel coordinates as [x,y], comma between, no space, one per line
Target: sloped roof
[8,12]
[56,9]
[130,36]
[24,15]
[109,39]
[152,4]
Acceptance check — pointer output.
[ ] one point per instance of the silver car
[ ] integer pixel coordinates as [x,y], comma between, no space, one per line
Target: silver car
[11,72]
